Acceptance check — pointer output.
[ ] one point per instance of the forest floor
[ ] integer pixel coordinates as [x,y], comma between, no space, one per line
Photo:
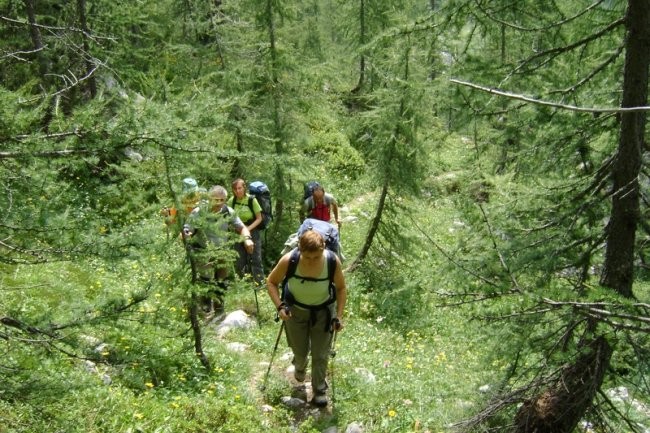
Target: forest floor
[298,395]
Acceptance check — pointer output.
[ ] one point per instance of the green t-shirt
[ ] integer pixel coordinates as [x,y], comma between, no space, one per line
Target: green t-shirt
[243,211]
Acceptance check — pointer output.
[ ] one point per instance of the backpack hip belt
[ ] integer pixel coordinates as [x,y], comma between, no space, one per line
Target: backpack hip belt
[313,309]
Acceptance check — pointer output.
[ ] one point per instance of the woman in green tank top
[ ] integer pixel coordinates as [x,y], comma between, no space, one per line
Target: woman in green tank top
[309,316]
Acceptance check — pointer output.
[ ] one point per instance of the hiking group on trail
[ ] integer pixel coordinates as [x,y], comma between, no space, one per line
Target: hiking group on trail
[306,286]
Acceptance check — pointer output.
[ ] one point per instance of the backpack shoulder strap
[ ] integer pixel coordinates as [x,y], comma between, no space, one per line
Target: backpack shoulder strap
[250,204]
[331,265]
[291,270]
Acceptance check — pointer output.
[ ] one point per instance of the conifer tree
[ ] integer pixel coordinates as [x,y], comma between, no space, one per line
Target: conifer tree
[394,149]
[562,393]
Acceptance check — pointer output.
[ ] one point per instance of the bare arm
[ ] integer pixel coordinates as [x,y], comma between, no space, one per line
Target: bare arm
[248,239]
[341,292]
[258,216]
[273,282]
[257,222]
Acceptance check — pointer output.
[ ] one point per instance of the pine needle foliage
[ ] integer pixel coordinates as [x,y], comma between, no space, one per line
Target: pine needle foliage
[480,281]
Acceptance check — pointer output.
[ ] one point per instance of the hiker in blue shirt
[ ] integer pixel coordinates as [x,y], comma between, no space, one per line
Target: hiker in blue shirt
[311,306]
[248,209]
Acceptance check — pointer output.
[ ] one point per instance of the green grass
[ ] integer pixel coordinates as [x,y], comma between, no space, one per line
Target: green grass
[389,374]
[404,362]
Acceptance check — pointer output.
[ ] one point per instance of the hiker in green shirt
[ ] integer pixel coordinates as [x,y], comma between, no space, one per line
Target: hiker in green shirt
[248,209]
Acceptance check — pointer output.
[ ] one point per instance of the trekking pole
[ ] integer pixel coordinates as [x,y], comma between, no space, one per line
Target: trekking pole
[333,355]
[249,264]
[257,305]
[275,348]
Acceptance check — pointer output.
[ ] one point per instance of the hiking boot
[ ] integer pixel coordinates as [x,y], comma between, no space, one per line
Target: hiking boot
[299,375]
[319,400]
[206,306]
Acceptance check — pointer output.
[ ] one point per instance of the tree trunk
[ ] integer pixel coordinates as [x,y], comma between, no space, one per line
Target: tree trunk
[83,22]
[362,41]
[277,122]
[618,272]
[374,227]
[196,332]
[37,40]
[559,408]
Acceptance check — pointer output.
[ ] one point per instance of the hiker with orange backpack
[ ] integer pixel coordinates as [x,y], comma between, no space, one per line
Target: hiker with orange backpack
[190,195]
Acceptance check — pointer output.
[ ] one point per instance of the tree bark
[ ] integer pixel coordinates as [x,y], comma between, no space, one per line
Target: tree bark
[83,22]
[362,41]
[618,272]
[277,121]
[193,313]
[37,40]
[559,408]
[374,227]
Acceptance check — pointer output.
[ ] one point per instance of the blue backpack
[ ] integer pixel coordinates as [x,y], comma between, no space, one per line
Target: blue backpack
[328,231]
[262,193]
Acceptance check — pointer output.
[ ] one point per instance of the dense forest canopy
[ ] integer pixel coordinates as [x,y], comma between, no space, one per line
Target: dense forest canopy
[490,159]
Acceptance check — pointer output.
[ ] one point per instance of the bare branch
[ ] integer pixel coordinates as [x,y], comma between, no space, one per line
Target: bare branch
[71,79]
[26,328]
[18,54]
[55,28]
[548,103]
[44,154]
[598,311]
[537,29]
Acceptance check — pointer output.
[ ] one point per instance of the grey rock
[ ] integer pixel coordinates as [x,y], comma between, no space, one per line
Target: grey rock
[354,428]
[292,402]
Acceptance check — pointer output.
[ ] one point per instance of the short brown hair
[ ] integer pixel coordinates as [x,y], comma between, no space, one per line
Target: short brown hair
[311,241]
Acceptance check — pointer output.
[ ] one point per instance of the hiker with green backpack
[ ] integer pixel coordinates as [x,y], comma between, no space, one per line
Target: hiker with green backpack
[308,290]
[249,210]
